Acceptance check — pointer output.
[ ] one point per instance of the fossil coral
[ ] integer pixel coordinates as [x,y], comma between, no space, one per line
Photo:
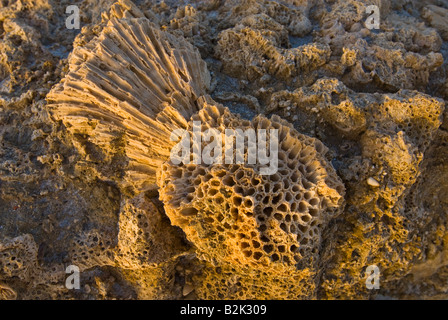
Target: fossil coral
[254,226]
[362,177]
[127,91]
[235,214]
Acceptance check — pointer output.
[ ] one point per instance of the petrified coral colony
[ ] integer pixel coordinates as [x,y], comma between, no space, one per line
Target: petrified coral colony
[347,191]
[251,223]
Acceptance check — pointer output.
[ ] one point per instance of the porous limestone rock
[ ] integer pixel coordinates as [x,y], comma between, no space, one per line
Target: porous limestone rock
[233,213]
[83,194]
[132,114]
[241,220]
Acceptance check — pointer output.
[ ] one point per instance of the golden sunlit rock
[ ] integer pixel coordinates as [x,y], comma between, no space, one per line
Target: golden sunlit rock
[105,192]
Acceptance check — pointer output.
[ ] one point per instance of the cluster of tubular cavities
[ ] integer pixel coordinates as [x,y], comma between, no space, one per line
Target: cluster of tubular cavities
[233,213]
[417,119]
[91,249]
[11,259]
[226,282]
[16,255]
[141,235]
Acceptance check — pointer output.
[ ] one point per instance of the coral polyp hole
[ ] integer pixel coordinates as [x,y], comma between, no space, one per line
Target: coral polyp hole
[295,176]
[244,245]
[212,192]
[228,181]
[239,189]
[268,211]
[177,174]
[267,187]
[283,207]
[256,244]
[221,174]
[189,211]
[292,165]
[248,203]
[250,192]
[247,253]
[306,218]
[293,206]
[276,199]
[277,187]
[234,211]
[275,257]
[284,227]
[302,206]
[278,216]
[307,184]
[294,152]
[257,255]
[237,201]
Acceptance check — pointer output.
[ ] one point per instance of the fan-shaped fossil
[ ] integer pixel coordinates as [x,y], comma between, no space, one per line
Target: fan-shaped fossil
[132,86]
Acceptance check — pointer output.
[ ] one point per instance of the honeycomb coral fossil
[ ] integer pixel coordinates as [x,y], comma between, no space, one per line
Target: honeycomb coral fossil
[131,85]
[234,214]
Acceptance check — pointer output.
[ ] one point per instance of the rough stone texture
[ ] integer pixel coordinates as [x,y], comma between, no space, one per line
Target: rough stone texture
[128,117]
[78,165]
[245,221]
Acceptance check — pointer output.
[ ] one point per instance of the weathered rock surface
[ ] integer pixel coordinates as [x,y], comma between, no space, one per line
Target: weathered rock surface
[85,175]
